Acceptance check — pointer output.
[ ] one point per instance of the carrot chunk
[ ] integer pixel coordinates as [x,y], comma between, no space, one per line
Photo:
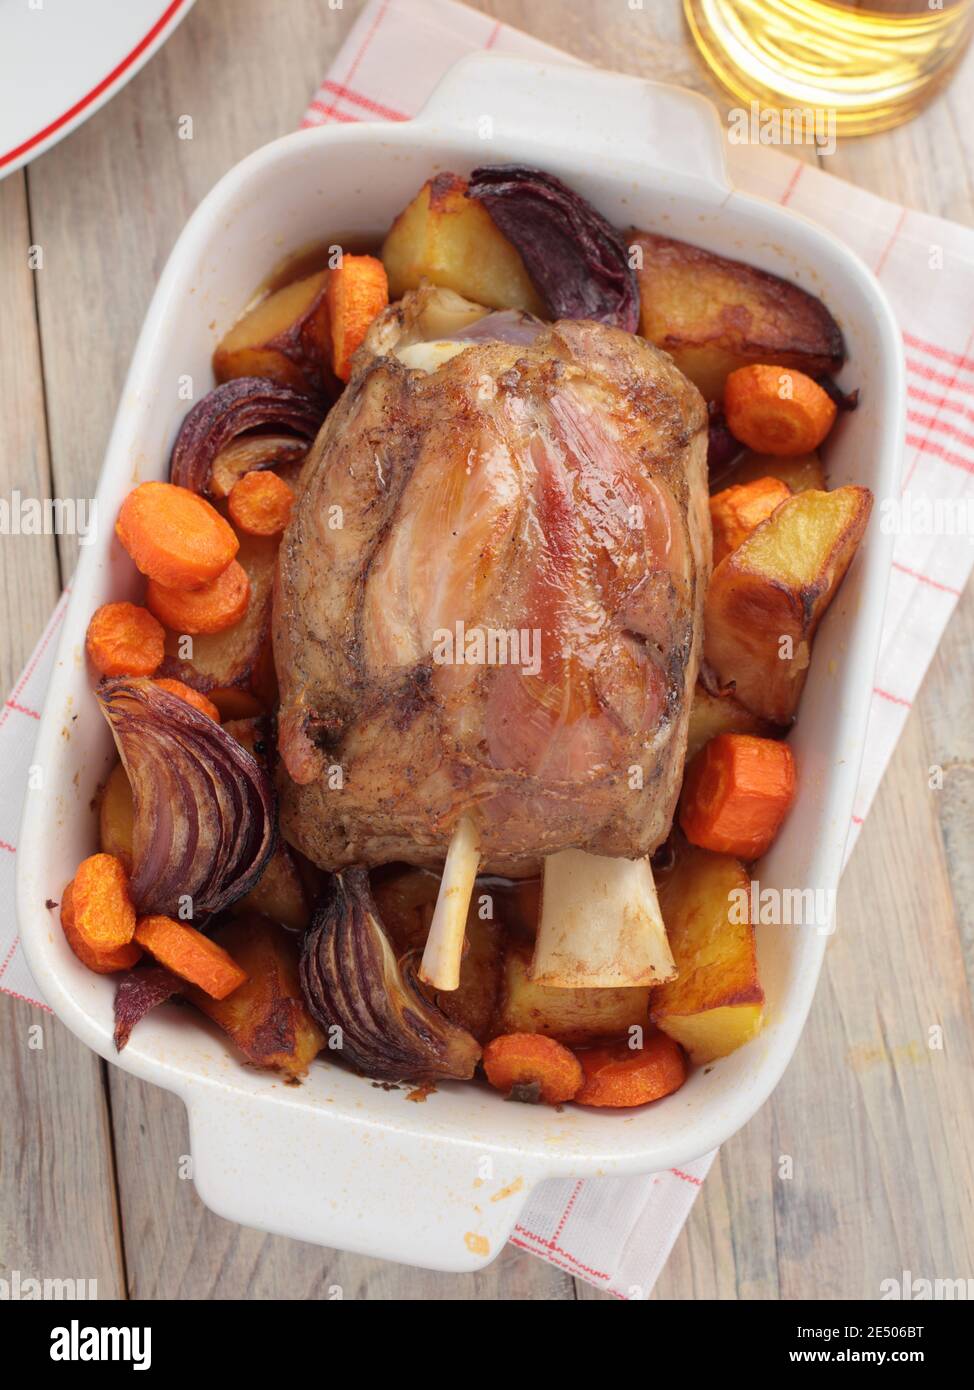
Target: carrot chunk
[102,960]
[357,290]
[736,511]
[175,536]
[619,1075]
[736,793]
[191,696]
[124,640]
[190,955]
[212,608]
[531,1060]
[777,410]
[104,914]
[260,504]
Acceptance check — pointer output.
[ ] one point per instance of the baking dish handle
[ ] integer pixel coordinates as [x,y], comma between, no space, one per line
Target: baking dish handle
[293,1169]
[574,108]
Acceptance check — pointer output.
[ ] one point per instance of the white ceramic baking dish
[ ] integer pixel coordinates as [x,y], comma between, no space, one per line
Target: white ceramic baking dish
[338,1160]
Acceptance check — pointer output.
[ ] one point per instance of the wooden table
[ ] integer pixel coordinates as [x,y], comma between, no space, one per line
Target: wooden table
[879,1127]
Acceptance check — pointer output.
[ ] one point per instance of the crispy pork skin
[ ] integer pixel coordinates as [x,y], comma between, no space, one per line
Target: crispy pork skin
[538,508]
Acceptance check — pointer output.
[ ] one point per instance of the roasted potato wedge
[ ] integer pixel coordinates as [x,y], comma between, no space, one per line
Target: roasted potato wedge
[766,600]
[115,817]
[284,337]
[716,1002]
[713,315]
[278,893]
[450,239]
[474,1004]
[516,905]
[711,715]
[237,658]
[233,702]
[405,900]
[266,1017]
[801,473]
[572,1016]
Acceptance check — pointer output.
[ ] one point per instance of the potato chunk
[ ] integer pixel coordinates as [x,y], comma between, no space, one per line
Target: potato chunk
[711,715]
[265,1017]
[767,598]
[716,1002]
[800,473]
[116,817]
[572,1016]
[713,315]
[450,239]
[278,893]
[284,337]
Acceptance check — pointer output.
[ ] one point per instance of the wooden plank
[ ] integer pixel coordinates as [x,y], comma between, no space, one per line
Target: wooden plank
[55,1151]
[58,1212]
[945,714]
[29,583]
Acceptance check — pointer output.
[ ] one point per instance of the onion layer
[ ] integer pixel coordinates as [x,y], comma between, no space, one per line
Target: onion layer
[578,262]
[352,983]
[245,403]
[723,450]
[250,454]
[139,992]
[205,817]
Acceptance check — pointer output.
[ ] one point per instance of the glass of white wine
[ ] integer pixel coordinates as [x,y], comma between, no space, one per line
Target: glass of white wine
[873,62]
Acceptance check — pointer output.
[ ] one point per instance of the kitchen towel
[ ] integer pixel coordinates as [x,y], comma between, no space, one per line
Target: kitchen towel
[616,1233]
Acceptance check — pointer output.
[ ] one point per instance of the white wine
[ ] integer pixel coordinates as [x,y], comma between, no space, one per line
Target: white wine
[873,63]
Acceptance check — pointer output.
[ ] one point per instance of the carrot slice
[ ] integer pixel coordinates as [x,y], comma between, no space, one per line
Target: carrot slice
[212,608]
[103,961]
[737,791]
[191,696]
[776,410]
[104,914]
[260,504]
[736,511]
[190,955]
[619,1075]
[175,536]
[124,640]
[531,1060]
[357,290]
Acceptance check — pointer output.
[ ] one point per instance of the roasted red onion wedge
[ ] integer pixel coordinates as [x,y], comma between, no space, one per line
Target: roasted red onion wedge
[205,815]
[243,404]
[139,992]
[352,983]
[843,400]
[578,262]
[723,450]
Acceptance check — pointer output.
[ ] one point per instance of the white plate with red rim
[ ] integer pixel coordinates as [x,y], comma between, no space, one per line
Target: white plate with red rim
[60,60]
[338,1160]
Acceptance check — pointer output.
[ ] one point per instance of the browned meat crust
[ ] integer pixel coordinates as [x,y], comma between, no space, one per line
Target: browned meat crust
[556,491]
